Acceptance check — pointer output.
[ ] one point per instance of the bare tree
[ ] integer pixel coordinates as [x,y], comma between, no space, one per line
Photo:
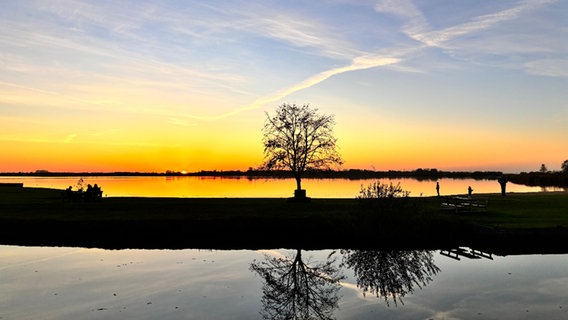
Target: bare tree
[298,138]
[294,289]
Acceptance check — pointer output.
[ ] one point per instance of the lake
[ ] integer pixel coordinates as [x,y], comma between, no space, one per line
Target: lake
[79,283]
[89,283]
[242,187]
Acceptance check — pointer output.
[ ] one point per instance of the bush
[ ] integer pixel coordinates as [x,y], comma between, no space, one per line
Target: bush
[378,190]
[383,199]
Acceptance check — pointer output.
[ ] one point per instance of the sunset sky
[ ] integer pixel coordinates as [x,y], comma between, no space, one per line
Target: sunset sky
[184,85]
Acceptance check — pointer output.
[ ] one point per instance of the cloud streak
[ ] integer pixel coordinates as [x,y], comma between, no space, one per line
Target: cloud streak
[112,62]
[439,37]
[292,27]
[548,67]
[415,21]
[360,63]
[417,28]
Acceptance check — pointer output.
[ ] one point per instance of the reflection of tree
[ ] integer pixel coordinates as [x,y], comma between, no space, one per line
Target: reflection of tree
[390,273]
[295,290]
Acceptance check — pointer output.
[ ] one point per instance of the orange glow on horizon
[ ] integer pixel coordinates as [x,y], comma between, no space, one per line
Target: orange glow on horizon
[92,158]
[212,146]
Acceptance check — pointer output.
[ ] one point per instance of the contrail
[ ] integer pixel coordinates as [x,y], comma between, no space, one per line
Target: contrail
[438,38]
[426,38]
[360,63]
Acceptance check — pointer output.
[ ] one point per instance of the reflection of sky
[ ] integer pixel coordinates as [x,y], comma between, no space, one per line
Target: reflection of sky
[275,188]
[70,283]
[513,287]
[73,283]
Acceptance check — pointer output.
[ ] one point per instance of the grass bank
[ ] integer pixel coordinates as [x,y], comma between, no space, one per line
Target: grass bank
[517,223]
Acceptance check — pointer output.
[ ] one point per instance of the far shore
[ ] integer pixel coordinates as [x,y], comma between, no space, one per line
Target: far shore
[524,223]
[428,174]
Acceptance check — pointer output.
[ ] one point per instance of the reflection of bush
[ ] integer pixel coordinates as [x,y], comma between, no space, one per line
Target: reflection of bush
[296,290]
[390,273]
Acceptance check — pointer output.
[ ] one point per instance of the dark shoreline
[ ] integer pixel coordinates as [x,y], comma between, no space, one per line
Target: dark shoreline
[40,217]
[353,174]
[295,232]
[169,235]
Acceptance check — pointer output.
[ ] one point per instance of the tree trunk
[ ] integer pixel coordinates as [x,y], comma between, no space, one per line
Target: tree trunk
[299,193]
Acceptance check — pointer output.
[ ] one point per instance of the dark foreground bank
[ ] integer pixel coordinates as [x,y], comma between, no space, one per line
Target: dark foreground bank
[40,217]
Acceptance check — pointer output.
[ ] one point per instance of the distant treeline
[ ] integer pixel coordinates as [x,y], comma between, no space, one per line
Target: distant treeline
[420,174]
[354,174]
[540,179]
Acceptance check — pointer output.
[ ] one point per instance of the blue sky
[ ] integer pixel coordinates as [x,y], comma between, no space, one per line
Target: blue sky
[156,85]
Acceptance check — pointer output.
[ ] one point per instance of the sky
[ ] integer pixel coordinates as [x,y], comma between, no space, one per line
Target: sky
[152,86]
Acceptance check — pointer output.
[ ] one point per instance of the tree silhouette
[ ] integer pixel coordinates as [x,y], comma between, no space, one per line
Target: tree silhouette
[564,166]
[293,289]
[390,273]
[298,138]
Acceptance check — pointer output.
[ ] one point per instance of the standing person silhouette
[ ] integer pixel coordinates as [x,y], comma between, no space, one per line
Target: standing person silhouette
[438,188]
[469,191]
[503,182]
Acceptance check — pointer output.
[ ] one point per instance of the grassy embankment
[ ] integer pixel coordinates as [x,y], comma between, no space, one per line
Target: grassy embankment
[36,216]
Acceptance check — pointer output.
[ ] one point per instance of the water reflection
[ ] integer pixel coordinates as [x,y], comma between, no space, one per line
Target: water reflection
[294,289]
[75,283]
[298,289]
[258,187]
[390,274]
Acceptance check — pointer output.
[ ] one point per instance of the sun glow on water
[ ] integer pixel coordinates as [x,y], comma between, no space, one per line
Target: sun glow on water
[242,187]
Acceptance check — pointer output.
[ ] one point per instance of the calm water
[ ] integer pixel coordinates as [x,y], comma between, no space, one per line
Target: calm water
[75,283]
[79,283]
[243,187]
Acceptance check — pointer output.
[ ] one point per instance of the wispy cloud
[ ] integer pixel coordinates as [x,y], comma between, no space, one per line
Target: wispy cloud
[416,28]
[438,38]
[292,27]
[304,33]
[111,63]
[360,63]
[548,67]
[127,54]
[536,50]
[414,21]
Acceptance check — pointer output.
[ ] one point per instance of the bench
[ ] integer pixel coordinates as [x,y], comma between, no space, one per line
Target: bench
[93,194]
[464,204]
